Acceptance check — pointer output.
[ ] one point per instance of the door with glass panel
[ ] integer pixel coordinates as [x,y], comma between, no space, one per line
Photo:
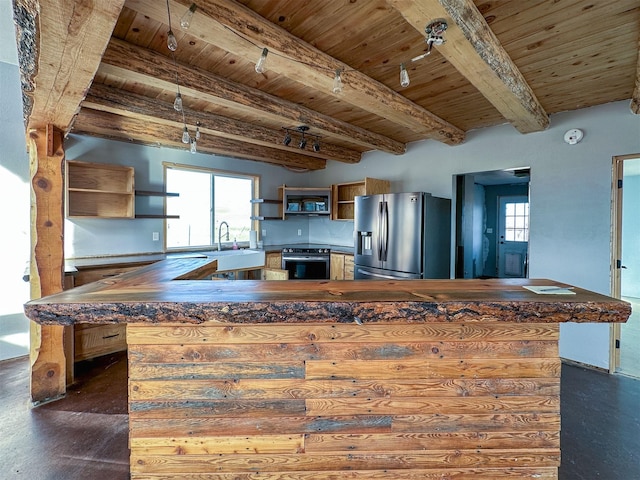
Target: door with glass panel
[513,238]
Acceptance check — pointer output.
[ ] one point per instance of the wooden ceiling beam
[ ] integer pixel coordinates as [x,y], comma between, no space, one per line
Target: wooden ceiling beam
[138,64]
[111,126]
[635,96]
[231,26]
[473,49]
[120,102]
[60,44]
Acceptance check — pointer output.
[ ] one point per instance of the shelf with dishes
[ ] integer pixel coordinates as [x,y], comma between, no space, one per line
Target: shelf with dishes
[305,200]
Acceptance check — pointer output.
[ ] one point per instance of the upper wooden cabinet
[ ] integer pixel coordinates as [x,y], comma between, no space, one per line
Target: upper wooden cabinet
[96,190]
[305,200]
[343,195]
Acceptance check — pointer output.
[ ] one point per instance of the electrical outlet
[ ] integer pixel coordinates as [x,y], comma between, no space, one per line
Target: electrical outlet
[299,232]
[156,236]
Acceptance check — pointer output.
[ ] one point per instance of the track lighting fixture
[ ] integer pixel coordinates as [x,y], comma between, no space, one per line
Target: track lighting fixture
[261,64]
[185,21]
[337,82]
[404,76]
[302,143]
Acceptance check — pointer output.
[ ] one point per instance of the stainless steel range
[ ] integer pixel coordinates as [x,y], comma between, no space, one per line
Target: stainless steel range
[306,263]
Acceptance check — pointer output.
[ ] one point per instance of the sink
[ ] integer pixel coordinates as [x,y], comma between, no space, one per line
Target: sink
[238,259]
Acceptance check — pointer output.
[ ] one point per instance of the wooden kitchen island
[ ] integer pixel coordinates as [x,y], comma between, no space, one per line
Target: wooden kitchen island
[414,379]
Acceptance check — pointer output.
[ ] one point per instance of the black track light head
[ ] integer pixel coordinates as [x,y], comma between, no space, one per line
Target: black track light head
[316,146]
[303,143]
[287,139]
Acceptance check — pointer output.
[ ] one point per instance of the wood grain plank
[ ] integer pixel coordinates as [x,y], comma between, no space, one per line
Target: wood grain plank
[229,370]
[278,352]
[256,444]
[207,389]
[315,443]
[222,408]
[315,334]
[433,423]
[418,474]
[422,405]
[358,461]
[472,368]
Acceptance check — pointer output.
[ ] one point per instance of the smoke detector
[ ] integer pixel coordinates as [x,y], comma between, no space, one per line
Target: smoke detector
[573,136]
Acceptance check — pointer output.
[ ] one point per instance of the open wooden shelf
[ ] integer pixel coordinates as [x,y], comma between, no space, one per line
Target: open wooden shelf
[96,190]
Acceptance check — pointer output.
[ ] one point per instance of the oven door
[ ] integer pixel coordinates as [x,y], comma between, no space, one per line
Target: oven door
[306,267]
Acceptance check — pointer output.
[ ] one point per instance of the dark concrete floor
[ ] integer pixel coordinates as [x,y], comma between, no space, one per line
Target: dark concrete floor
[84,436]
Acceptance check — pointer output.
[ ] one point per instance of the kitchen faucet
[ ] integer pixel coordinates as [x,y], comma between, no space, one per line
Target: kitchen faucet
[220,233]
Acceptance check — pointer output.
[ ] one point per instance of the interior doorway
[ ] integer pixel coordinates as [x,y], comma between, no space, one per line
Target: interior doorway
[492,224]
[626,262]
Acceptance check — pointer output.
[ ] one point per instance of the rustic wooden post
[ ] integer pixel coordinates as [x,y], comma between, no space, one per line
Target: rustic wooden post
[48,359]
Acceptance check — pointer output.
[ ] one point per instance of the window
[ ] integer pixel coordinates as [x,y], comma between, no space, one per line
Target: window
[516,222]
[207,198]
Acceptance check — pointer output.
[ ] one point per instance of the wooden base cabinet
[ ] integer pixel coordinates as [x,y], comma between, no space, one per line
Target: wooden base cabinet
[91,340]
[322,401]
[341,266]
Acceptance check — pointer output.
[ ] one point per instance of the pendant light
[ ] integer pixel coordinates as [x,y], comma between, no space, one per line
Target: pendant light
[404,76]
[177,103]
[261,65]
[337,82]
[185,21]
[185,135]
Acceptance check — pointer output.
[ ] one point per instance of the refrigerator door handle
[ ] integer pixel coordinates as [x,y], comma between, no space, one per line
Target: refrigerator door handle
[385,242]
[380,226]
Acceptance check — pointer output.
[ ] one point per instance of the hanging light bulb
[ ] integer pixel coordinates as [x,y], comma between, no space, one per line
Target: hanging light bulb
[337,82]
[172,43]
[404,76]
[261,65]
[197,130]
[185,21]
[177,103]
[185,135]
[193,148]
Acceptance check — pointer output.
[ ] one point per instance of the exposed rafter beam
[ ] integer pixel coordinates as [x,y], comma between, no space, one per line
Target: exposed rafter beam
[60,45]
[137,64]
[635,97]
[120,102]
[223,23]
[473,49]
[108,125]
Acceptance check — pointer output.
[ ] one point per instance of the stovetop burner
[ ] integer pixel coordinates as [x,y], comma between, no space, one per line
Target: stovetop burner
[307,250]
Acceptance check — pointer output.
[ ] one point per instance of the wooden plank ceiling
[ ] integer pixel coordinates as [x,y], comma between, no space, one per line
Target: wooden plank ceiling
[104,69]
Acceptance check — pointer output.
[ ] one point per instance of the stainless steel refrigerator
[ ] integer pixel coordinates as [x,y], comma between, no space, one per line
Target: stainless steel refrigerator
[402,236]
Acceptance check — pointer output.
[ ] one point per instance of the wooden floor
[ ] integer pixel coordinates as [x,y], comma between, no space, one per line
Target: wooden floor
[85,434]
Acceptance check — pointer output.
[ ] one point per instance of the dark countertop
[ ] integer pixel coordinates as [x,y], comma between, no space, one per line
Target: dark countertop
[153,294]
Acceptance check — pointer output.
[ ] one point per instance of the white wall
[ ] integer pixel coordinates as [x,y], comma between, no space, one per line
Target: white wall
[14,196]
[570,196]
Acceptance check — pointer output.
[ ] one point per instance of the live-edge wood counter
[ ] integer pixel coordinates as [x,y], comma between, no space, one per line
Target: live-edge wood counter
[408,379]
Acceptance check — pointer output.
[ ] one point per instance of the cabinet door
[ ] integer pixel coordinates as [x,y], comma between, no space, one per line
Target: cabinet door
[273,260]
[348,267]
[337,266]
